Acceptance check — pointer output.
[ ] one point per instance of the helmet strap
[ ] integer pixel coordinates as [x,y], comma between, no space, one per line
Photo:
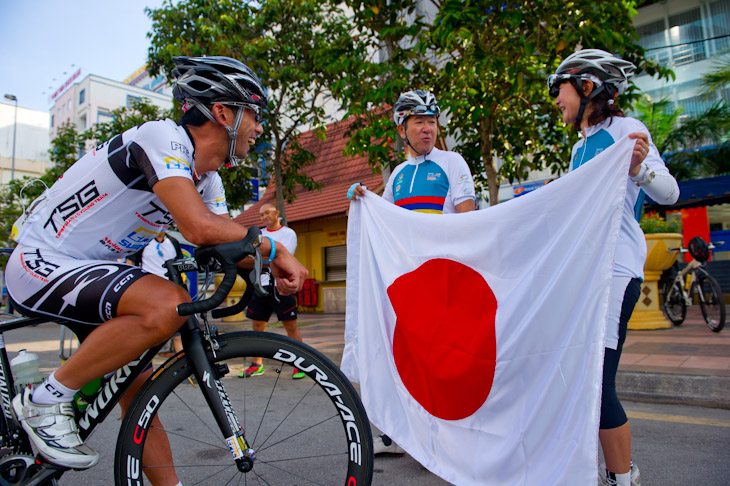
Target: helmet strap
[578,85]
[231,160]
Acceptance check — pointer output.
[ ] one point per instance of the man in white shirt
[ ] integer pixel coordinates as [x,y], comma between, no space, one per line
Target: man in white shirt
[260,308]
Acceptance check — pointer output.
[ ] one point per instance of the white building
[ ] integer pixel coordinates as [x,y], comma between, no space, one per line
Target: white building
[93,99]
[31,142]
[686,36]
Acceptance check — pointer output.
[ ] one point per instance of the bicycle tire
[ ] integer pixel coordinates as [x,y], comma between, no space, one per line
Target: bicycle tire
[675,308]
[712,302]
[320,437]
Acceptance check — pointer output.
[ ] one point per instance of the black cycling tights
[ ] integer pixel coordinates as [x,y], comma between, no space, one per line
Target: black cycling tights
[612,413]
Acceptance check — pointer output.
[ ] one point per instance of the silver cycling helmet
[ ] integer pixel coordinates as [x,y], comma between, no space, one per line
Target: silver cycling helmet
[604,69]
[416,102]
[202,81]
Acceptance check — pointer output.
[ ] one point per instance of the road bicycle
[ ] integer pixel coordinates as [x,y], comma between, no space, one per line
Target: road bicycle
[694,280]
[267,430]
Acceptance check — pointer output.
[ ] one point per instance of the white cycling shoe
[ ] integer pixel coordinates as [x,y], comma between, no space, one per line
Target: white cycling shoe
[53,432]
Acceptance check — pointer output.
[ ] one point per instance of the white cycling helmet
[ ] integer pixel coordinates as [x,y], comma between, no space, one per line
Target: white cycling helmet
[416,102]
[612,72]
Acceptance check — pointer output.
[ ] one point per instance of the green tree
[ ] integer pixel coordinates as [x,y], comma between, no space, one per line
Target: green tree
[290,45]
[496,57]
[374,70]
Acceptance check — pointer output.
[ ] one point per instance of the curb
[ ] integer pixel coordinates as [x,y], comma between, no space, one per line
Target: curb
[696,390]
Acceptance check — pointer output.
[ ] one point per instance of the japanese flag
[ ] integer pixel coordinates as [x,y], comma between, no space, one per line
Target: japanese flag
[478,338]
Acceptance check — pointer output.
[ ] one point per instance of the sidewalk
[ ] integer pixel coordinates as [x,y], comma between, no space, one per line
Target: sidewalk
[688,364]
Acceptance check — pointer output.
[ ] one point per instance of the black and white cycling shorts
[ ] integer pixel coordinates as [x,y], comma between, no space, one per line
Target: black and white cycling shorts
[49,283]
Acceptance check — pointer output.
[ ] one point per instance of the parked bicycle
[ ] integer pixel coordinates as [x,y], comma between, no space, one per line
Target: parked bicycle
[269,430]
[694,280]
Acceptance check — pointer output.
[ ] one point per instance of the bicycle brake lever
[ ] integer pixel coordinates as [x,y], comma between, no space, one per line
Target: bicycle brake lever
[255,275]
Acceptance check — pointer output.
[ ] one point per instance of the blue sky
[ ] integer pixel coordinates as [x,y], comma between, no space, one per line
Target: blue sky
[40,40]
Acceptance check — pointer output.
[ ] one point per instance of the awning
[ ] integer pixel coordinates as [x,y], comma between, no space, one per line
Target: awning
[696,193]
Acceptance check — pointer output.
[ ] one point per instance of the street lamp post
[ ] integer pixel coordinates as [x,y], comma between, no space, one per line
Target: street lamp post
[15,129]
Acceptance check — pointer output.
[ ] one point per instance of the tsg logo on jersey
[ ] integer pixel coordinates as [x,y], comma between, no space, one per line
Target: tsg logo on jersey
[76,204]
[34,262]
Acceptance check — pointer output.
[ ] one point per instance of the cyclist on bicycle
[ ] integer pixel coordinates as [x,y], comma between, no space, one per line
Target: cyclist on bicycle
[585,88]
[111,203]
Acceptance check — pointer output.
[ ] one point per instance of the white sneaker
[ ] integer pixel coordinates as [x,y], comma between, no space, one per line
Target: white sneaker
[383,444]
[53,431]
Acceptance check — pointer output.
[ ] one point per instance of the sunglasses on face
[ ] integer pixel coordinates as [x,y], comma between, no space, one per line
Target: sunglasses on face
[258,112]
[554,81]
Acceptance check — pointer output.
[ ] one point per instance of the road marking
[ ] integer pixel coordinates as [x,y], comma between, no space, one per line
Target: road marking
[683,419]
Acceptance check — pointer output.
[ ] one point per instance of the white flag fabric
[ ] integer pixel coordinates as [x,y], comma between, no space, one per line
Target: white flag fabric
[477,338]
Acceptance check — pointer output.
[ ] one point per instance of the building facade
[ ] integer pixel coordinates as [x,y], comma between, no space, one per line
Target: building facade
[30,130]
[92,100]
[687,36]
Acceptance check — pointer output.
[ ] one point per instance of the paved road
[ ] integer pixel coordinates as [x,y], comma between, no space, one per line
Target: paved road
[673,445]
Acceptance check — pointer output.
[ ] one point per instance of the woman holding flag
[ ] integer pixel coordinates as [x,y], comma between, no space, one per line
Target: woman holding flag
[585,87]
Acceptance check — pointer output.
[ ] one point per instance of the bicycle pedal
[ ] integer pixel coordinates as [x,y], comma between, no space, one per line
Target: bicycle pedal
[222,369]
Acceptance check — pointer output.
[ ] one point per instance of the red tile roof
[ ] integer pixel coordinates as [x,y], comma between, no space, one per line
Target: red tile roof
[330,168]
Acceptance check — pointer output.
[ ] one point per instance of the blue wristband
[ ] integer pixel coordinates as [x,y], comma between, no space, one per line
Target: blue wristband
[351,192]
[273,250]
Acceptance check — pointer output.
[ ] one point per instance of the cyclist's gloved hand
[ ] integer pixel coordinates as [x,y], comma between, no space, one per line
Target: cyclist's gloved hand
[356,190]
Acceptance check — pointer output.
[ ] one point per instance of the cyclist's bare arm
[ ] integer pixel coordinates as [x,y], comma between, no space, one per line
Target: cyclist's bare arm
[465,206]
[202,227]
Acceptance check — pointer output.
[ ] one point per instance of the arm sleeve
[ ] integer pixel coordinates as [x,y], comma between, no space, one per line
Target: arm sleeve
[213,193]
[388,191]
[654,177]
[462,183]
[159,153]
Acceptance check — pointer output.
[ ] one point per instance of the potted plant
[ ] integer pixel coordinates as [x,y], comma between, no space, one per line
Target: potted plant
[661,235]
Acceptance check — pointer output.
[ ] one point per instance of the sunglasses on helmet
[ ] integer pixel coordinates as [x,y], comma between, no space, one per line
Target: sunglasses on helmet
[555,80]
[432,109]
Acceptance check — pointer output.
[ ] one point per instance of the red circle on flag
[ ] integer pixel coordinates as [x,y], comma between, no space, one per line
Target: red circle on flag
[444,343]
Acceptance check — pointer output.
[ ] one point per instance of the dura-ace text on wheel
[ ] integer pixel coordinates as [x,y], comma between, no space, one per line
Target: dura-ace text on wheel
[712,302]
[312,431]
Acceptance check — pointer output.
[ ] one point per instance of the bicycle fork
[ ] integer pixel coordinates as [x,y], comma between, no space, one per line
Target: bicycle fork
[208,376]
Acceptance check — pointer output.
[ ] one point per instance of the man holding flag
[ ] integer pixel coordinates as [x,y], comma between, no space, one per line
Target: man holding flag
[430,181]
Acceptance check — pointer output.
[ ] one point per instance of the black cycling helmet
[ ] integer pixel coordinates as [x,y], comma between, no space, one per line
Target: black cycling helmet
[216,79]
[698,249]
[203,81]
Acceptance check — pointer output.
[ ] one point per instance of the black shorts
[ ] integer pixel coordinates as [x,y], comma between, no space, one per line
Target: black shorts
[261,308]
[52,284]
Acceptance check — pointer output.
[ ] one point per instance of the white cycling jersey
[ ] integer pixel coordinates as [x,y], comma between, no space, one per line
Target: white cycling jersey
[103,206]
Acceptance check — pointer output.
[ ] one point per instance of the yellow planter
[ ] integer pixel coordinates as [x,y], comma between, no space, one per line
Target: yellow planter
[647,313]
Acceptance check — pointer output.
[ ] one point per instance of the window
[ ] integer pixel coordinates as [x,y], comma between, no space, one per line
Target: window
[52,117]
[103,117]
[131,99]
[686,27]
[335,263]
[719,23]
[82,96]
[653,36]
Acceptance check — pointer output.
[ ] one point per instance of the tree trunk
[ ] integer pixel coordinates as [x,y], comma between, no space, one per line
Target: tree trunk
[279,189]
[490,166]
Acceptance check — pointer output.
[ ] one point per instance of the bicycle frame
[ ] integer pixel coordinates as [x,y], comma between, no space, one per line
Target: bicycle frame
[686,283]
